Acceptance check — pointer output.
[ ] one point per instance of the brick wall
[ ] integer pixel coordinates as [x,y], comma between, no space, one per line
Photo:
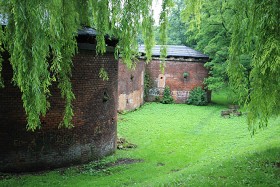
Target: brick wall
[93,136]
[131,87]
[173,77]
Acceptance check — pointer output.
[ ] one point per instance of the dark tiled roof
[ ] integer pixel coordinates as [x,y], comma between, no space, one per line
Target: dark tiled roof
[175,51]
[88,35]
[87,31]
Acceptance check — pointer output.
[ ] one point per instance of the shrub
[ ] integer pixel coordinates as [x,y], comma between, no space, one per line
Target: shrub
[157,99]
[185,75]
[197,97]
[167,98]
[147,84]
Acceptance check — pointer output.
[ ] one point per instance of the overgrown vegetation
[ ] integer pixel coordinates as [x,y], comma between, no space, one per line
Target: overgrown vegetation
[197,97]
[185,75]
[243,40]
[213,38]
[147,84]
[40,37]
[167,97]
[183,146]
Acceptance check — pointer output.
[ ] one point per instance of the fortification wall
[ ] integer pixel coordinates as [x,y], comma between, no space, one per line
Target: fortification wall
[131,86]
[95,119]
[173,77]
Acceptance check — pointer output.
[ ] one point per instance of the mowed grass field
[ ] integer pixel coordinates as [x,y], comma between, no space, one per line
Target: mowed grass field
[177,145]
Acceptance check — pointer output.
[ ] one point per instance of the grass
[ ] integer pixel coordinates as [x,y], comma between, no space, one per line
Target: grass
[223,97]
[177,145]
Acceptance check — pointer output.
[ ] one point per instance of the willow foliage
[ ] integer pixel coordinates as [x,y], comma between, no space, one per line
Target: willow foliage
[41,39]
[163,20]
[255,33]
[213,38]
[1,50]
[193,10]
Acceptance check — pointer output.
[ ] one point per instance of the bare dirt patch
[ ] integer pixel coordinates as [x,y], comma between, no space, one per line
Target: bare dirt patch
[122,143]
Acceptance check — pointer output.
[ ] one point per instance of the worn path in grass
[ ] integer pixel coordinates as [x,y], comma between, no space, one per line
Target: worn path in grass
[178,145]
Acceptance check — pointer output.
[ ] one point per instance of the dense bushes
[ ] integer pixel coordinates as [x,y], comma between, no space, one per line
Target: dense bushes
[197,97]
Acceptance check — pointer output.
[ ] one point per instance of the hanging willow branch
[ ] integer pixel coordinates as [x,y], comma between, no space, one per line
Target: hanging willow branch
[259,23]
[166,5]
[29,50]
[41,39]
[193,10]
[255,34]
[147,29]
[1,59]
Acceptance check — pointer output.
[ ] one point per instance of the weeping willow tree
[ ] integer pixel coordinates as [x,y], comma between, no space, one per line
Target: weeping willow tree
[163,20]
[256,34]
[40,37]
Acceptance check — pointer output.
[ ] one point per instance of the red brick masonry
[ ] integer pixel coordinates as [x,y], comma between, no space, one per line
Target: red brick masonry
[130,87]
[174,77]
[95,120]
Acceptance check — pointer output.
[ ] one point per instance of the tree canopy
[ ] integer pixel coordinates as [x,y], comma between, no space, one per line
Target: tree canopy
[41,39]
[213,38]
[177,29]
[254,52]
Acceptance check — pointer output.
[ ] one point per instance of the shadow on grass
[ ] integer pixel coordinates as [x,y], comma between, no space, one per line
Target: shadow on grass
[223,97]
[256,169]
[99,167]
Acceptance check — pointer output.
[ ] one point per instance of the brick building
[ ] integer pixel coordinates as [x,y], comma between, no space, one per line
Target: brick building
[95,115]
[183,72]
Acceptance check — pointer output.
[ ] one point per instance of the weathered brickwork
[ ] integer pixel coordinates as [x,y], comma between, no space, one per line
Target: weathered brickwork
[174,77]
[131,87]
[95,120]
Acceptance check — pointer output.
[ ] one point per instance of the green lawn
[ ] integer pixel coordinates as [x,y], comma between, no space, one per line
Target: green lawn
[178,145]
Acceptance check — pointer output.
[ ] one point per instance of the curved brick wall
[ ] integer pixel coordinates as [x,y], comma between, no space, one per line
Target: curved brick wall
[93,136]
